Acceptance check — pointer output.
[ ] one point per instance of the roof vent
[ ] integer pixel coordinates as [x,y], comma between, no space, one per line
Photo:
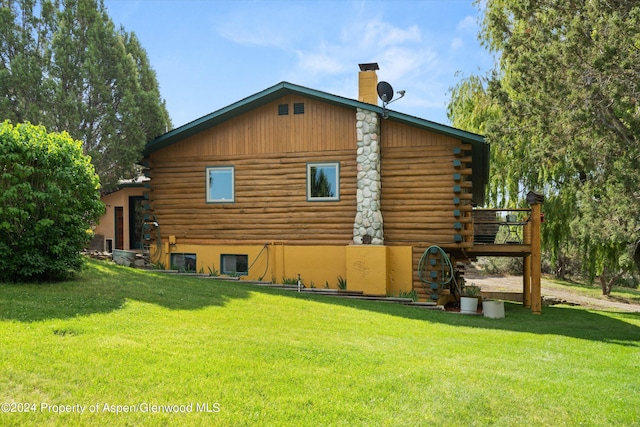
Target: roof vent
[283,109]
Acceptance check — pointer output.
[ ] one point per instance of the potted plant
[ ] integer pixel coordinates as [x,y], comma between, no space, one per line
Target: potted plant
[469,299]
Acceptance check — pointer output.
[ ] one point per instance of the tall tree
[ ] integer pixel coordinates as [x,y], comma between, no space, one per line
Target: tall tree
[25,55]
[566,85]
[81,76]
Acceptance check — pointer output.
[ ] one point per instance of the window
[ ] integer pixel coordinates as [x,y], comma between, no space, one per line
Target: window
[234,264]
[183,262]
[220,183]
[323,181]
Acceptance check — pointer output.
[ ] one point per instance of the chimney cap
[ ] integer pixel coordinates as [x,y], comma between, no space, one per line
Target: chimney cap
[371,66]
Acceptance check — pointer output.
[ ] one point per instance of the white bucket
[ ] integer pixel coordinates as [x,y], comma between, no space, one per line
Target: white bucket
[493,309]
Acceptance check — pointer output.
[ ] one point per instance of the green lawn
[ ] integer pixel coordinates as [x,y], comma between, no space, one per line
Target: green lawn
[228,353]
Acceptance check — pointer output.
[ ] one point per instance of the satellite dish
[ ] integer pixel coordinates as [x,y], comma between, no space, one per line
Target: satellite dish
[385,92]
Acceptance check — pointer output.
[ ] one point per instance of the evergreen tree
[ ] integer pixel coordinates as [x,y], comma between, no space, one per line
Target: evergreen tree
[69,69]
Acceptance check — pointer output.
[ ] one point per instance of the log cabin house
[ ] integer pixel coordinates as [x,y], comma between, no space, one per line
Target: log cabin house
[294,181]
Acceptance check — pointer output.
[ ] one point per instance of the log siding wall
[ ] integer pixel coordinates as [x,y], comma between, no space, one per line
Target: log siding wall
[417,187]
[270,153]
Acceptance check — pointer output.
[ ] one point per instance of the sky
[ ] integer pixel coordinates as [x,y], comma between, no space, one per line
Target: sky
[208,54]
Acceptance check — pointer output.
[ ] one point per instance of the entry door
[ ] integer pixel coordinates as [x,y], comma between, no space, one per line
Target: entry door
[136,222]
[119,214]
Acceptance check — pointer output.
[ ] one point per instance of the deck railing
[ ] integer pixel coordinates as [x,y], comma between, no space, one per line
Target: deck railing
[501,226]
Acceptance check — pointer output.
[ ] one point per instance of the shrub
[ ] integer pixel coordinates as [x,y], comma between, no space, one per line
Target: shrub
[49,199]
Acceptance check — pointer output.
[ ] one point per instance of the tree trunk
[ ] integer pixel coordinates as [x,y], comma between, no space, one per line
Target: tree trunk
[606,286]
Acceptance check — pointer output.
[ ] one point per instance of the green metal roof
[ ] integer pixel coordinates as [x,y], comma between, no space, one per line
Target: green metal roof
[480,149]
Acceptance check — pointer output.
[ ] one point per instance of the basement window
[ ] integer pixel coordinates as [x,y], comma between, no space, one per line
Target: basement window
[220,184]
[235,265]
[323,182]
[183,262]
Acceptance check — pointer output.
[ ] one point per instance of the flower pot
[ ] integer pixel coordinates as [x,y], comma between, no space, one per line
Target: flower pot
[468,305]
[493,309]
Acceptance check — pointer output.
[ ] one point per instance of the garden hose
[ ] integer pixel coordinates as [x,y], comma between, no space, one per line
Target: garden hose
[442,281]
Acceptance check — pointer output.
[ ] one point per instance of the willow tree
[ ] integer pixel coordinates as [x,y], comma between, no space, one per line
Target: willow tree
[64,65]
[566,87]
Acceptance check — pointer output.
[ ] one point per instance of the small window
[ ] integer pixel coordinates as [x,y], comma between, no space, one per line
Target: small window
[183,262]
[234,264]
[283,109]
[323,181]
[298,108]
[220,185]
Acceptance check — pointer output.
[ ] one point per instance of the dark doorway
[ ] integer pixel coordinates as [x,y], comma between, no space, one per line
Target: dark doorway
[119,215]
[136,221]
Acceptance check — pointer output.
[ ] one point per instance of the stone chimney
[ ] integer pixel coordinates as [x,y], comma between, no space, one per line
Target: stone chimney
[368,223]
[368,83]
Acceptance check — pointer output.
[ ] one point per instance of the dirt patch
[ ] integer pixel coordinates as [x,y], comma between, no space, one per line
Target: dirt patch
[550,294]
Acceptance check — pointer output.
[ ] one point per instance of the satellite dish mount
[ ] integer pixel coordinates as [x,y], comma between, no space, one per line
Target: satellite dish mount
[385,93]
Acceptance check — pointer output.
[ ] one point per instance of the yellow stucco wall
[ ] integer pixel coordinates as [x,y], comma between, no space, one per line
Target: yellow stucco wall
[368,269]
[375,270]
[379,270]
[400,269]
[273,262]
[317,265]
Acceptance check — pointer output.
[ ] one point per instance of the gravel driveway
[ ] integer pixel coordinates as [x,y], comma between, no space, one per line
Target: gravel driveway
[549,294]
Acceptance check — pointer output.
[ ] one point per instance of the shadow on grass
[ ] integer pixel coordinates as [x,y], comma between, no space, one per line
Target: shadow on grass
[104,287]
[610,327]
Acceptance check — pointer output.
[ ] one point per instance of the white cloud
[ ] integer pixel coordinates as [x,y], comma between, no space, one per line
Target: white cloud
[321,62]
[378,34]
[248,35]
[468,23]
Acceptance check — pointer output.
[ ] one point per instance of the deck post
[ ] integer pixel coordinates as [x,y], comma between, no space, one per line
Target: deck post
[526,281]
[535,201]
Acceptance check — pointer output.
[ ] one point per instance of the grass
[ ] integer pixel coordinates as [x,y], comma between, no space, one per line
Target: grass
[123,339]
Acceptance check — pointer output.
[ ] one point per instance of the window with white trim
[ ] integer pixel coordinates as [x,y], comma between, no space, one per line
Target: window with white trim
[220,184]
[323,181]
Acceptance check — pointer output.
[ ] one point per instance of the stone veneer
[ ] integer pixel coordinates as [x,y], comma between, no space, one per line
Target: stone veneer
[367,227]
